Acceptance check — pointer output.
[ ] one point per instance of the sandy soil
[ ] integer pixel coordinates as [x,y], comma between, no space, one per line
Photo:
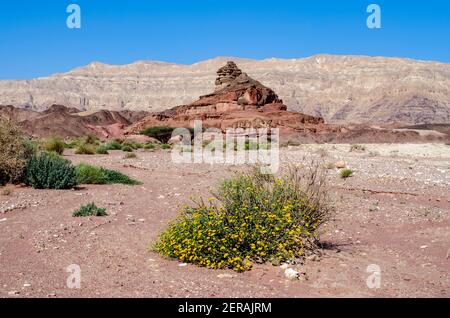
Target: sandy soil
[394,213]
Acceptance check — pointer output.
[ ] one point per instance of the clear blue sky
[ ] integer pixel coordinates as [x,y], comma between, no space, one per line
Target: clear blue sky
[35,41]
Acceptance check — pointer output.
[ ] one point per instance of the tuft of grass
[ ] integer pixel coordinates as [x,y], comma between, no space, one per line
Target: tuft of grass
[357,148]
[346,173]
[150,146]
[165,146]
[85,149]
[89,210]
[102,150]
[127,149]
[54,144]
[87,174]
[6,192]
[130,155]
[114,145]
[252,218]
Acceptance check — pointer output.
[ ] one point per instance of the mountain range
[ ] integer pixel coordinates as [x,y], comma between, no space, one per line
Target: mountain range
[340,89]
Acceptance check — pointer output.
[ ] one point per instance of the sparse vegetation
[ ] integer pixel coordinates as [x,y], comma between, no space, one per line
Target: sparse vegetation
[127,149]
[6,191]
[50,171]
[150,146]
[161,133]
[102,150]
[346,173]
[89,210]
[130,155]
[165,146]
[14,152]
[257,218]
[357,148]
[85,149]
[87,174]
[54,144]
[114,145]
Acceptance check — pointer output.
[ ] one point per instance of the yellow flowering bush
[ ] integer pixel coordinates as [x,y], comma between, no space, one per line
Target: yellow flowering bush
[253,218]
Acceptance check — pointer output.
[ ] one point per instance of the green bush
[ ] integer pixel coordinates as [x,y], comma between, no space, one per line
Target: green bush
[127,149]
[87,174]
[85,149]
[14,152]
[257,218]
[165,146]
[102,150]
[161,133]
[50,171]
[89,210]
[54,144]
[150,146]
[114,145]
[346,173]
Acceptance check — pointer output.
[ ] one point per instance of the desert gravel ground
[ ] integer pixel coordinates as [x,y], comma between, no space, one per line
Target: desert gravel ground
[393,213]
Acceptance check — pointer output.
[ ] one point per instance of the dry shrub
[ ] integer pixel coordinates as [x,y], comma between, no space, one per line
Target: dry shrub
[13,152]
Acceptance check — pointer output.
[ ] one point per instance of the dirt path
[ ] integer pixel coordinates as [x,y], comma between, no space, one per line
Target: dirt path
[394,213]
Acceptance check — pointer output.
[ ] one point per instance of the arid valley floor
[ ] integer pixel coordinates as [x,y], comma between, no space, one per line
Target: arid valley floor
[394,212]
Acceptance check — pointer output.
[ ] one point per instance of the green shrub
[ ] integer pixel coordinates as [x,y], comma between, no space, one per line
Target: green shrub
[257,218]
[114,145]
[150,146]
[50,171]
[346,173]
[165,146]
[54,144]
[87,174]
[117,177]
[89,210]
[14,152]
[102,150]
[85,149]
[162,133]
[127,149]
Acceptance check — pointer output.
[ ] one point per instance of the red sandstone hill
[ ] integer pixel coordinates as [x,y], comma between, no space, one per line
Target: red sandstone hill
[242,102]
[63,121]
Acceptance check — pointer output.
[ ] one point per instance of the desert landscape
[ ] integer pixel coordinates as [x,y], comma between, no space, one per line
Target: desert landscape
[385,160]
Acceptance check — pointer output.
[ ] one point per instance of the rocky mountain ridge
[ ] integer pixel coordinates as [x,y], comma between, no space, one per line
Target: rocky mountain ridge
[341,89]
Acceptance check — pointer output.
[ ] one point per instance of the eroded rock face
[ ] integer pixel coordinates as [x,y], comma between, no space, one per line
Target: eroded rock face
[341,89]
[237,102]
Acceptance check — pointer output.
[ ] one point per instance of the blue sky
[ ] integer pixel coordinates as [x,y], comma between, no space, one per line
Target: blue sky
[35,41]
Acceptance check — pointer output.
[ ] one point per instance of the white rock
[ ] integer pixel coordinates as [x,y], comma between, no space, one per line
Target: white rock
[291,274]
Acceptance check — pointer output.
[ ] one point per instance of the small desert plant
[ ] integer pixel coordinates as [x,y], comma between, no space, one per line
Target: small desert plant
[102,150]
[162,133]
[165,146]
[87,174]
[6,191]
[357,148]
[257,218]
[150,146]
[346,173]
[85,149]
[127,149]
[14,152]
[54,144]
[113,145]
[50,171]
[130,155]
[89,210]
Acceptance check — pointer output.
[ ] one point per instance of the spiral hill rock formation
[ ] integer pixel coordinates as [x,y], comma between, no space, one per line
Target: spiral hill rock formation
[238,101]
